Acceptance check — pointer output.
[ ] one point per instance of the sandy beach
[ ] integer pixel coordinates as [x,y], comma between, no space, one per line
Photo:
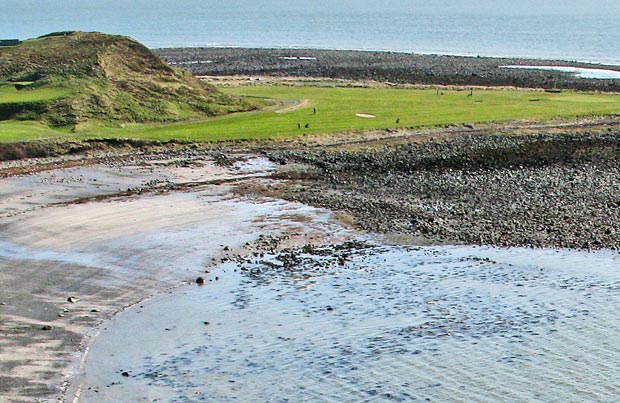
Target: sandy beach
[74,253]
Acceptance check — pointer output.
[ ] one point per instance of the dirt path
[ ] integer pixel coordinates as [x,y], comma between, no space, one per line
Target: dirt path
[296,105]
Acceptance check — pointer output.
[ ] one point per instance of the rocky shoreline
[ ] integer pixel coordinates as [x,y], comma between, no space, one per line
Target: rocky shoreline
[557,188]
[401,68]
[543,190]
[520,186]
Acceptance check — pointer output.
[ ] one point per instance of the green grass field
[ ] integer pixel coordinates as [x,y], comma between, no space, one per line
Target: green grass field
[12,130]
[14,101]
[337,108]
[10,94]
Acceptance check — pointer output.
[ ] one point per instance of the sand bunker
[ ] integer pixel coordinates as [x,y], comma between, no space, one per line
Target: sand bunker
[365,115]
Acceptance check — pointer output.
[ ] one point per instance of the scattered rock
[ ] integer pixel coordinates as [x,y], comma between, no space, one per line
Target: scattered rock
[539,190]
[397,68]
[73,299]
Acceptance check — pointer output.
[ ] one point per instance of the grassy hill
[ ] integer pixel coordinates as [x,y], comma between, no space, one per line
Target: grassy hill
[71,78]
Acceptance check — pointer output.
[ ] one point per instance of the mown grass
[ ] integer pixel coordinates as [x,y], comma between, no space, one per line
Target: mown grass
[10,94]
[336,110]
[11,130]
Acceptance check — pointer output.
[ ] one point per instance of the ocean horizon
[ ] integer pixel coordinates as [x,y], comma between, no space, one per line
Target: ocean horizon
[566,30]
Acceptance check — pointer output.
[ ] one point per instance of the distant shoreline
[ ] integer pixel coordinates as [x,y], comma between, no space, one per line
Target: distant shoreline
[395,67]
[541,59]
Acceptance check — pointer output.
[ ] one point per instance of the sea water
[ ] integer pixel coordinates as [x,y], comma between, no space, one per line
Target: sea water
[602,74]
[563,29]
[374,324]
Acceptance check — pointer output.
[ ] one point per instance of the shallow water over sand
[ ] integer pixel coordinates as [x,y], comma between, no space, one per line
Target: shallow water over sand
[600,74]
[376,324]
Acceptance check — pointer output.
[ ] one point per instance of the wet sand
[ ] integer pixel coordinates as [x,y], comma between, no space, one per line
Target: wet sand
[111,235]
[387,324]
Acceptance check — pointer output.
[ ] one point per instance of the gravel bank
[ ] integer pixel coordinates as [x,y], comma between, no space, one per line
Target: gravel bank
[535,190]
[383,67]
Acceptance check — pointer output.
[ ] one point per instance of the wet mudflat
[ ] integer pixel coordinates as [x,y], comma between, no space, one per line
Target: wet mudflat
[367,323]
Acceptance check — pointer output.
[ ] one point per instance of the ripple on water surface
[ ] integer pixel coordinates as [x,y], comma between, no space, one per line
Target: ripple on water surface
[374,324]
